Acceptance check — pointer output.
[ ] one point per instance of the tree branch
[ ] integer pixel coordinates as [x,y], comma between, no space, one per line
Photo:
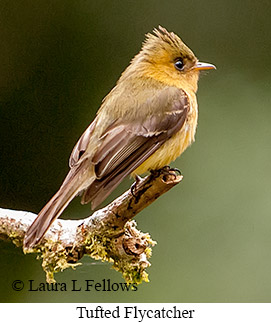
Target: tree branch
[108,234]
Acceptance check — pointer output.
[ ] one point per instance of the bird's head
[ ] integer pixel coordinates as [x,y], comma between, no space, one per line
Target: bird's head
[166,58]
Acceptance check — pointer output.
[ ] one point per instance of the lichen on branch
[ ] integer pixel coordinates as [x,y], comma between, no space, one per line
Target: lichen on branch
[109,234]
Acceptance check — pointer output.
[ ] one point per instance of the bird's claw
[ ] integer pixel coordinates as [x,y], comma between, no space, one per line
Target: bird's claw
[165,171]
[134,186]
[176,170]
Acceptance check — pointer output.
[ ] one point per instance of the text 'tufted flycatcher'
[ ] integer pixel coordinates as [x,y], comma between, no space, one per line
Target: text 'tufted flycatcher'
[147,120]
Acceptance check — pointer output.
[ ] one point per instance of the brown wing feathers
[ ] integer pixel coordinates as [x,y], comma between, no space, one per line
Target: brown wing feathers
[82,144]
[101,188]
[126,146]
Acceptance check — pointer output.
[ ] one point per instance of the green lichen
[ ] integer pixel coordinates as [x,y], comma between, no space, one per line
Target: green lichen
[133,273]
[99,246]
[54,259]
[102,247]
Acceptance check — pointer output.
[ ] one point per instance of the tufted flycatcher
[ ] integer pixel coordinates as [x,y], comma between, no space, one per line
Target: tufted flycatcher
[145,122]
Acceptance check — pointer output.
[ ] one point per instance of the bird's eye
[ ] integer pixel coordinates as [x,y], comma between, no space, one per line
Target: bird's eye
[179,64]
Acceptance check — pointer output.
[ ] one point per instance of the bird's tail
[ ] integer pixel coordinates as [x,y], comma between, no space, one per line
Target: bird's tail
[76,181]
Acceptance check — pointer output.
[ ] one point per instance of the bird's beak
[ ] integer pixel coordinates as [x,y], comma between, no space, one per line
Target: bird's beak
[204,66]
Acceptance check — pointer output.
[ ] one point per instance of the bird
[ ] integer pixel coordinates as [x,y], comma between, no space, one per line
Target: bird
[143,124]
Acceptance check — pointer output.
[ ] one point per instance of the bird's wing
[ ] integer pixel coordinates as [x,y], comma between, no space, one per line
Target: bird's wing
[82,144]
[125,145]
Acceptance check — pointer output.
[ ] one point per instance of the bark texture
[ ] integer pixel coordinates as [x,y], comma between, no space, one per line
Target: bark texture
[109,234]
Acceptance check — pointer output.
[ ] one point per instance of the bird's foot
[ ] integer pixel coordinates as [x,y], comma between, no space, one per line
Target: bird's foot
[166,171]
[135,185]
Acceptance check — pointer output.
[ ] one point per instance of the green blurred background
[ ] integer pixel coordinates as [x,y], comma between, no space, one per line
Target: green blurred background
[60,58]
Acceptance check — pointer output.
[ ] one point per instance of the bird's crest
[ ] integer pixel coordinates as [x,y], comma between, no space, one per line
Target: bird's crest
[165,39]
[168,37]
